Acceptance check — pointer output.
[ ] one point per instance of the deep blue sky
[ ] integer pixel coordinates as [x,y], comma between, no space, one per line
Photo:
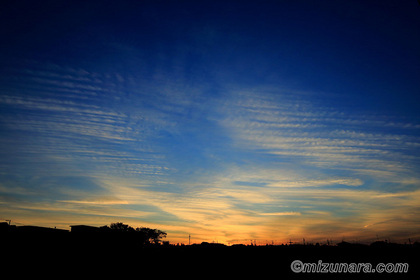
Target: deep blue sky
[229,120]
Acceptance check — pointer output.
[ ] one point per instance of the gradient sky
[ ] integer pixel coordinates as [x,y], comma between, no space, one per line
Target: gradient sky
[226,120]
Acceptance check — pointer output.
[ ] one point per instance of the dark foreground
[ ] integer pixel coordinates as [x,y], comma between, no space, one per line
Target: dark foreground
[57,256]
[119,251]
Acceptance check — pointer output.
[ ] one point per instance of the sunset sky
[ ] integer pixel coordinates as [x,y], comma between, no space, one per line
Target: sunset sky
[225,120]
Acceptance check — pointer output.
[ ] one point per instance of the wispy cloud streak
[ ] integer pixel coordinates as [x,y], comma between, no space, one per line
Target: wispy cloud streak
[313,134]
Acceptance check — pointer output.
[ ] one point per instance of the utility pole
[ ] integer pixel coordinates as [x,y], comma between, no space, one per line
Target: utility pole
[189,239]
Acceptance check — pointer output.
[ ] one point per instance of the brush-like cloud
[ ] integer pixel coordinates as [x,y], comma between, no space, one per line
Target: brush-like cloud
[295,130]
[74,121]
[319,183]
[282,214]
[100,201]
[229,210]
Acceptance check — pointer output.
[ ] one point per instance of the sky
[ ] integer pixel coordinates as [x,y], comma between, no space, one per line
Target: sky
[229,121]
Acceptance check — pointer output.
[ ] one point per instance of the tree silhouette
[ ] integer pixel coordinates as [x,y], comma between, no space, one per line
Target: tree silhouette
[152,235]
[120,227]
[143,234]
